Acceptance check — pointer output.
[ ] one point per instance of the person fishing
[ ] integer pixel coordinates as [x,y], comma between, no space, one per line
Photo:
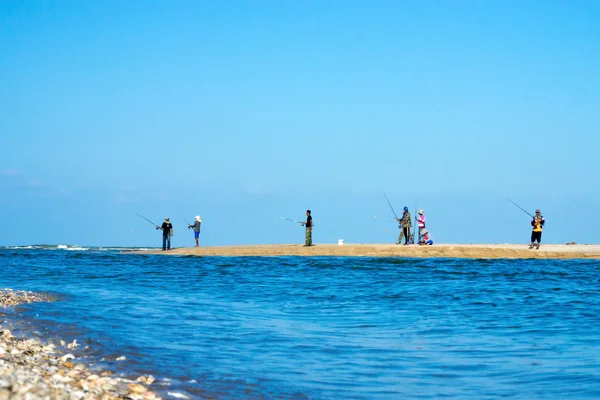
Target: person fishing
[308,224]
[406,224]
[196,227]
[167,229]
[425,238]
[421,223]
[537,223]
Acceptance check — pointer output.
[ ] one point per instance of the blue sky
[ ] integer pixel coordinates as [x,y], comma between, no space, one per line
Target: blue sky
[242,111]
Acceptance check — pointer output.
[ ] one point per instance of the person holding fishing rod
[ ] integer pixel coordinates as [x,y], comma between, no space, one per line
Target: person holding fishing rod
[420,223]
[196,227]
[167,229]
[308,224]
[406,224]
[537,223]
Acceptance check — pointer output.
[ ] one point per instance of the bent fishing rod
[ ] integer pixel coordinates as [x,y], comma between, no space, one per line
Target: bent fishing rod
[521,208]
[141,216]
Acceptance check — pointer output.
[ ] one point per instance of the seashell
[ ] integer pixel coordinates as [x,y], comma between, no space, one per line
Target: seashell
[122,358]
[109,386]
[137,388]
[122,388]
[67,357]
[79,367]
[74,373]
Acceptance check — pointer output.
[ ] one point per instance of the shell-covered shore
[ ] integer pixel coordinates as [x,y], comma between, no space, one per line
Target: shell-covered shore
[31,369]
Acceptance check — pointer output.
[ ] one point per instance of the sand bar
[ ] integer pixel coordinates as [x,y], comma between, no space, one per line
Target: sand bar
[391,250]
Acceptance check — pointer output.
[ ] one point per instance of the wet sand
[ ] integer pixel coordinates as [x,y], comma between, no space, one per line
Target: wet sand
[518,251]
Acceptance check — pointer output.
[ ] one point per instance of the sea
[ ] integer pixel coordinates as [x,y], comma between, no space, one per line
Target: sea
[319,327]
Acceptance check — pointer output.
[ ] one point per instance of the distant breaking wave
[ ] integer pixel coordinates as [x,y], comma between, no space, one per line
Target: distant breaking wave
[71,247]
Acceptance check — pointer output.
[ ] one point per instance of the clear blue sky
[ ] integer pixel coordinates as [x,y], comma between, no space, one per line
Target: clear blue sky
[244,110]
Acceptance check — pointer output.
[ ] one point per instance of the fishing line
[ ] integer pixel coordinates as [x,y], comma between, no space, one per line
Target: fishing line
[141,216]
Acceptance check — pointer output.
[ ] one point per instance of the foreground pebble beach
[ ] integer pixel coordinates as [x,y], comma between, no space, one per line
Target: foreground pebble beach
[30,369]
[388,250]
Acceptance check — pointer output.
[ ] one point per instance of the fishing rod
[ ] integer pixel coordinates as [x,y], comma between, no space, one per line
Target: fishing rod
[186,221]
[390,204]
[416,231]
[141,216]
[289,219]
[521,208]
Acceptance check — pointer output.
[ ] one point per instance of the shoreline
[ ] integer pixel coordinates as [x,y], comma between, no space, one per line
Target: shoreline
[482,251]
[34,368]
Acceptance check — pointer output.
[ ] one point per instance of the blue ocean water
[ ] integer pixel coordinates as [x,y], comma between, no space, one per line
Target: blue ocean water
[323,327]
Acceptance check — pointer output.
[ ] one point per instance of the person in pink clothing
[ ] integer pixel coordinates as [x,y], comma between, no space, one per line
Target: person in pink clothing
[421,223]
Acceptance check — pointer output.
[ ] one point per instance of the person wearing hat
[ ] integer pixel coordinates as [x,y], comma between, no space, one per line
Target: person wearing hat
[167,229]
[196,227]
[421,223]
[425,238]
[537,223]
[405,224]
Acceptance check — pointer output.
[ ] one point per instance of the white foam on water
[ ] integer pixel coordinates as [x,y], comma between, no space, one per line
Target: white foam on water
[75,247]
[177,395]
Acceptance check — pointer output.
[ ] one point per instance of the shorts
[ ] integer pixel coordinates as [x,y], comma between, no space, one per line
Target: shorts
[536,237]
[196,235]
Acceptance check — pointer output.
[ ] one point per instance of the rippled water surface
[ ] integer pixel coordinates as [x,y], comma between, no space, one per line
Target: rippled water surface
[326,327]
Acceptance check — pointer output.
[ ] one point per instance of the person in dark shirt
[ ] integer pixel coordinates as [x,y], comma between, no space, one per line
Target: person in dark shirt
[308,224]
[167,229]
[537,223]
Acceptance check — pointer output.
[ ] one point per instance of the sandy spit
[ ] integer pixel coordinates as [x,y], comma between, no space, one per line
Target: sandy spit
[552,251]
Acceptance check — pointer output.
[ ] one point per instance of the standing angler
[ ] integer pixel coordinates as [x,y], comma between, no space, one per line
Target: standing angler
[421,223]
[167,229]
[537,223]
[196,227]
[308,224]
[406,224]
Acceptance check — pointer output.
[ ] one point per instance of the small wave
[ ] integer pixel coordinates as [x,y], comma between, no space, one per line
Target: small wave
[75,247]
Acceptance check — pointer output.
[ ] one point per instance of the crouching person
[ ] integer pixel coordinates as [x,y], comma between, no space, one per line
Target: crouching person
[425,238]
